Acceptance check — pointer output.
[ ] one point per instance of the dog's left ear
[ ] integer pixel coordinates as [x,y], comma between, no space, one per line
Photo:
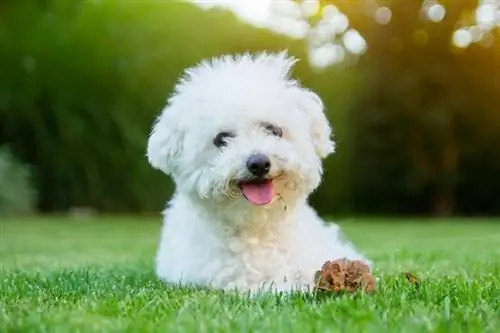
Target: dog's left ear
[319,128]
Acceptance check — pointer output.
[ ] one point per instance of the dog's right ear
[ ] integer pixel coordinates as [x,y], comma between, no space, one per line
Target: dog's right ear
[165,141]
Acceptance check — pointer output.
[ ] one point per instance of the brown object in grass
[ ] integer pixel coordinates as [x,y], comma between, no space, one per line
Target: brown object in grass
[344,275]
[412,279]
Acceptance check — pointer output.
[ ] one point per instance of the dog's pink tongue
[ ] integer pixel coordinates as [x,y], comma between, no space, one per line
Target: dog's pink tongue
[259,193]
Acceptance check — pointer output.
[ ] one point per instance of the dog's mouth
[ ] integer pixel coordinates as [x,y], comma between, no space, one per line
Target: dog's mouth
[258,191]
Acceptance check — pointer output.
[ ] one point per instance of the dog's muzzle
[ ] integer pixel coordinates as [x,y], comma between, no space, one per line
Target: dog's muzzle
[258,190]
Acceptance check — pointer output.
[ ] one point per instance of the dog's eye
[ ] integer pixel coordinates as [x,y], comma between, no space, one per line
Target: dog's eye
[221,139]
[274,130]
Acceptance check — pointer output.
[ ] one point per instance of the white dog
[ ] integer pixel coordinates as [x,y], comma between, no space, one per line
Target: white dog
[243,143]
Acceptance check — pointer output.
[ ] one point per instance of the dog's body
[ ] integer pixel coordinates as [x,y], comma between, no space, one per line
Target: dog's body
[262,250]
[244,144]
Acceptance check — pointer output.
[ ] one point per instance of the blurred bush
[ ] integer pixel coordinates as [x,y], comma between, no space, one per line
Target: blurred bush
[82,82]
[17,193]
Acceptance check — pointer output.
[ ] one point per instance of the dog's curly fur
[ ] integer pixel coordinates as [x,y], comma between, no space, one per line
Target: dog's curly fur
[212,235]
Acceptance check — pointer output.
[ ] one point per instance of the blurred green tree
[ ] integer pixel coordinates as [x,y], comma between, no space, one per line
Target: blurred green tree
[426,112]
[82,83]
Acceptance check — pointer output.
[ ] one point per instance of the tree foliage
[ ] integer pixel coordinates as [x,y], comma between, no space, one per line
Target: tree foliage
[425,122]
[82,83]
[415,120]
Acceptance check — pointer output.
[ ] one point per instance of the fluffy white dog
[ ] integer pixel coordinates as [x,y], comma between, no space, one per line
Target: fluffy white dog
[243,143]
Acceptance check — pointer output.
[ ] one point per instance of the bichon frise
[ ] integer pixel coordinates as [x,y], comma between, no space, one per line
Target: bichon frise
[243,143]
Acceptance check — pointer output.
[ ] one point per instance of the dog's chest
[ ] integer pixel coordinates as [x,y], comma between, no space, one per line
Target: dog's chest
[265,258]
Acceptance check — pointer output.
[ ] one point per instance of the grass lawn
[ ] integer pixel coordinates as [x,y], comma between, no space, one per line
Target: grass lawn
[61,275]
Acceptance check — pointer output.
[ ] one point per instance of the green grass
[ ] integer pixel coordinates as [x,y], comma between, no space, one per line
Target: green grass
[61,275]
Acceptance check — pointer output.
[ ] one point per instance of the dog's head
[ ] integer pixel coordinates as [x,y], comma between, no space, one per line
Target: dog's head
[238,128]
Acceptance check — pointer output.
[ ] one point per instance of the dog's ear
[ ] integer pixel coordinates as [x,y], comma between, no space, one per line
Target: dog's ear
[165,141]
[319,128]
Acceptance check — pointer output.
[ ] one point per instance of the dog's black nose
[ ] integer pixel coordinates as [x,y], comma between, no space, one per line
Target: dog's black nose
[258,164]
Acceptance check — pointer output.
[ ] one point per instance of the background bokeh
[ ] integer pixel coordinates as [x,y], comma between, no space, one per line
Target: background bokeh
[411,88]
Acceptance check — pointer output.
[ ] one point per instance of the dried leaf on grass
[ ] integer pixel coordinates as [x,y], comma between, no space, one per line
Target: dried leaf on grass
[412,279]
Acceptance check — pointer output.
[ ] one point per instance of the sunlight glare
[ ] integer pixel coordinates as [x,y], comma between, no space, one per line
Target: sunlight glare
[255,11]
[486,15]
[383,15]
[288,17]
[354,42]
[326,55]
[436,12]
[462,38]
[310,7]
